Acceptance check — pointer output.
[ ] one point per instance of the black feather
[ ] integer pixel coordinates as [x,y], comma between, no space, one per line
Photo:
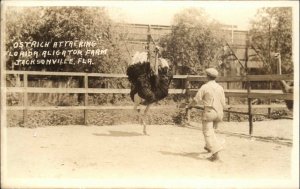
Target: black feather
[146,84]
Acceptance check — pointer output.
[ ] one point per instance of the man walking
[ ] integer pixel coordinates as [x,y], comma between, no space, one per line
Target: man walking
[212,96]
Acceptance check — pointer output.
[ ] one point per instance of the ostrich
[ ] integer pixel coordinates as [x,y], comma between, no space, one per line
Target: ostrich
[148,86]
[286,88]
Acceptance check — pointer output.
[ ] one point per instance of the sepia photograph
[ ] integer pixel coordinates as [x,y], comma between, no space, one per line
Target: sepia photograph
[149,94]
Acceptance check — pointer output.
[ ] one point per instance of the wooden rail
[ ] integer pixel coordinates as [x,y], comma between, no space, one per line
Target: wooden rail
[245,78]
[186,90]
[79,74]
[267,94]
[78,90]
[84,107]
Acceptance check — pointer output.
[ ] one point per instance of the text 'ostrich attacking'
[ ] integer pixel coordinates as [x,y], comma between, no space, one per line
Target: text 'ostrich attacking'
[148,85]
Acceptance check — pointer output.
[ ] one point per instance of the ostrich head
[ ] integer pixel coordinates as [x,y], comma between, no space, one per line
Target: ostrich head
[163,66]
[276,55]
[164,70]
[163,63]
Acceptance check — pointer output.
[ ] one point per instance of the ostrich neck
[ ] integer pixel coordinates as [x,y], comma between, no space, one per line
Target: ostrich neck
[279,64]
[286,88]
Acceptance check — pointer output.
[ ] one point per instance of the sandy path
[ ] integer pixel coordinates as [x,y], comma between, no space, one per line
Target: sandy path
[122,152]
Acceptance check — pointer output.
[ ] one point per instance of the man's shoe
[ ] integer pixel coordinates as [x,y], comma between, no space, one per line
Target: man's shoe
[214,158]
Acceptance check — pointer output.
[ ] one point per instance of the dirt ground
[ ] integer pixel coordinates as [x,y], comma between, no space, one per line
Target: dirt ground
[121,155]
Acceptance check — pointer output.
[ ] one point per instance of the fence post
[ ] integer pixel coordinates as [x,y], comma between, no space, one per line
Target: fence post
[228,98]
[269,101]
[25,100]
[248,89]
[86,99]
[249,108]
[187,96]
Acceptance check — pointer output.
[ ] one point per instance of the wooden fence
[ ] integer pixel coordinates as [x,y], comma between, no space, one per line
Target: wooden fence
[185,90]
[247,93]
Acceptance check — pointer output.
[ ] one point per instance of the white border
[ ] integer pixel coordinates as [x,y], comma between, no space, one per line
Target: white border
[220,183]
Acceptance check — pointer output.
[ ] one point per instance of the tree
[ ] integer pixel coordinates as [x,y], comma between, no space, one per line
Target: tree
[271,32]
[193,42]
[41,24]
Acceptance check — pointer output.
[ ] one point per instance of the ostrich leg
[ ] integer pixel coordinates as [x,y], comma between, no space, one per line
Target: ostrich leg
[143,121]
[137,101]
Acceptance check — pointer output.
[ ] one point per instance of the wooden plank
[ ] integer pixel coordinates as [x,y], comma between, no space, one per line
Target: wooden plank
[272,94]
[232,79]
[81,74]
[196,78]
[66,90]
[189,77]
[180,76]
[236,94]
[262,106]
[260,91]
[255,114]
[79,90]
[88,107]
[67,74]
[236,112]
[245,106]
[245,78]
[46,73]
[270,77]
[219,79]
[226,110]
[239,91]
[130,107]
[107,75]
[15,107]
[282,96]
[244,91]
[177,91]
[266,94]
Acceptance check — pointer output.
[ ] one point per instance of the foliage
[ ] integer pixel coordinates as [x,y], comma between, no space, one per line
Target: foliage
[193,42]
[27,24]
[65,24]
[271,32]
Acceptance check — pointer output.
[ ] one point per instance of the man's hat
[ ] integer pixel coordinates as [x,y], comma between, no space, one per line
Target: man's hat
[212,72]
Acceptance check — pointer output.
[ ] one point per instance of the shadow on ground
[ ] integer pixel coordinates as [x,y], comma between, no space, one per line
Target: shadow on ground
[276,140]
[193,155]
[119,134]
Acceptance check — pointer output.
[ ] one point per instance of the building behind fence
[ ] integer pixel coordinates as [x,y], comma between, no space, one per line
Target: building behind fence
[234,63]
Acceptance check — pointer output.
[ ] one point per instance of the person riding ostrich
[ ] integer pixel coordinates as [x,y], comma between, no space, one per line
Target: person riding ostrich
[148,84]
[286,87]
